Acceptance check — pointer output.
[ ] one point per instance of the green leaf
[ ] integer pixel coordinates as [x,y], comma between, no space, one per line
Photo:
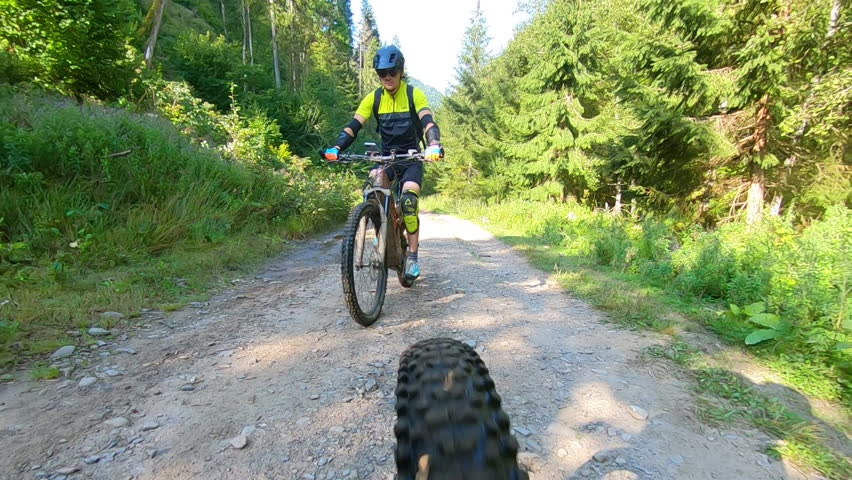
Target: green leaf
[767,320]
[735,309]
[755,308]
[761,335]
[843,346]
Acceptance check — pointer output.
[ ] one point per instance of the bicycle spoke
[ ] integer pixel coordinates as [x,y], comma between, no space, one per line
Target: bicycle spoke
[367,267]
[359,242]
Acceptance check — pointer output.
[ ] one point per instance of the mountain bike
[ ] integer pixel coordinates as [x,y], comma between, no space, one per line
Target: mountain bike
[375,238]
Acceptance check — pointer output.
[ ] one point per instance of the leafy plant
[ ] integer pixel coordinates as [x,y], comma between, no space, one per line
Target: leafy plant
[81,47]
[8,330]
[774,326]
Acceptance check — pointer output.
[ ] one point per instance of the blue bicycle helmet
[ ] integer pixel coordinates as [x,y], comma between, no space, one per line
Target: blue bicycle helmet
[388,57]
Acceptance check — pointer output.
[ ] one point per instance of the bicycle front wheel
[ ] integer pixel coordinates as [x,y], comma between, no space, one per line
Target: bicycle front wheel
[450,422]
[363,270]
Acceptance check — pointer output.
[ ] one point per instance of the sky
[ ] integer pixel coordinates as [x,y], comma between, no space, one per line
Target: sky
[431,31]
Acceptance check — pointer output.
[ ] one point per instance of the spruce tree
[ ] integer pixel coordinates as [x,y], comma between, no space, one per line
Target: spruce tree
[368,44]
[553,132]
[468,112]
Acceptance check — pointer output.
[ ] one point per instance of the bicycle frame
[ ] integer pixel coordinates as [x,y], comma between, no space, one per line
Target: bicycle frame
[394,256]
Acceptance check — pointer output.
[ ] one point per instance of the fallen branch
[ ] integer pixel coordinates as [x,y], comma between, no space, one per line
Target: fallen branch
[120,154]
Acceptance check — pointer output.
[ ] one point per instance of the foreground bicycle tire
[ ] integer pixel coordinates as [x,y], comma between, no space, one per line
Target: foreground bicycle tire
[450,424]
[365,313]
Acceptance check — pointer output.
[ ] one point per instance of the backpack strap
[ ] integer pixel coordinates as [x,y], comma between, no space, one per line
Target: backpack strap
[377,100]
[415,119]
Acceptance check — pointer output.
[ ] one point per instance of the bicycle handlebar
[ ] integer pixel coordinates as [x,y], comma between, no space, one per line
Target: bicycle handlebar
[377,158]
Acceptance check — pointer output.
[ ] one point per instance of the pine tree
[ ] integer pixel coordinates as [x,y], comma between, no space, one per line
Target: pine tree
[468,112]
[554,128]
[368,44]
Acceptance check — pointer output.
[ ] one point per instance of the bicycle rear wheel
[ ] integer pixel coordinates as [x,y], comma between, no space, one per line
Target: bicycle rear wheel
[363,271]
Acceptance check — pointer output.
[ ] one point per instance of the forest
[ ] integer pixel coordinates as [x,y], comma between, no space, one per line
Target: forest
[699,146]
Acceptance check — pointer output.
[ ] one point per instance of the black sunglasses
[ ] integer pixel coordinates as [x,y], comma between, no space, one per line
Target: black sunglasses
[387,72]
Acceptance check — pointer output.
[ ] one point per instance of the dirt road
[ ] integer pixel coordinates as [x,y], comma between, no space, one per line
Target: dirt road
[273,380]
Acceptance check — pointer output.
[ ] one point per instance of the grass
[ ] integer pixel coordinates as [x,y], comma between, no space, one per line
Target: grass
[44,373]
[637,302]
[106,210]
[727,399]
[171,307]
[678,351]
[47,310]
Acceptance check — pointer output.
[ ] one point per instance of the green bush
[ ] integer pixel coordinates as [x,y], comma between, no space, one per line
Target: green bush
[12,69]
[97,188]
[703,265]
[207,62]
[613,245]
[78,47]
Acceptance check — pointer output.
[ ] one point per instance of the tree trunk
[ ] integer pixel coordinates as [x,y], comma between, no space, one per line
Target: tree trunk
[616,209]
[275,46]
[155,31]
[834,20]
[633,200]
[300,61]
[360,69]
[761,126]
[754,201]
[775,205]
[291,78]
[245,31]
[224,19]
[756,191]
[250,38]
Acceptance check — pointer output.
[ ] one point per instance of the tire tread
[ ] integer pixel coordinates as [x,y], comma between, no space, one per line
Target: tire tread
[448,409]
[347,271]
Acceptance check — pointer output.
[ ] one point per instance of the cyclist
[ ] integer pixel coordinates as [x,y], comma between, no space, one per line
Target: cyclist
[403,117]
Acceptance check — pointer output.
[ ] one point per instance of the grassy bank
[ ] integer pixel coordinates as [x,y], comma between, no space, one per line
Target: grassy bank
[104,210]
[659,275]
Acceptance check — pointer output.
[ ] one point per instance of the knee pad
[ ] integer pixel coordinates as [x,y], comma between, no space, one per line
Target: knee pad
[409,211]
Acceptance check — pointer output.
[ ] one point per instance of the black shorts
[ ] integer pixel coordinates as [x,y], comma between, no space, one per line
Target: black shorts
[407,172]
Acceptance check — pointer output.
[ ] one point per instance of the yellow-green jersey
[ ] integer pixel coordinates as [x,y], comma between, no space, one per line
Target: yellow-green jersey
[398,127]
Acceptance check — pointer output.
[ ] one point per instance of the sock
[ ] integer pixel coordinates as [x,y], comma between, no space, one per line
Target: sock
[412,256]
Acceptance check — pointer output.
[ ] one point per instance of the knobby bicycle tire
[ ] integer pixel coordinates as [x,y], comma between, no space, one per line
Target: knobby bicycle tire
[450,424]
[347,266]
